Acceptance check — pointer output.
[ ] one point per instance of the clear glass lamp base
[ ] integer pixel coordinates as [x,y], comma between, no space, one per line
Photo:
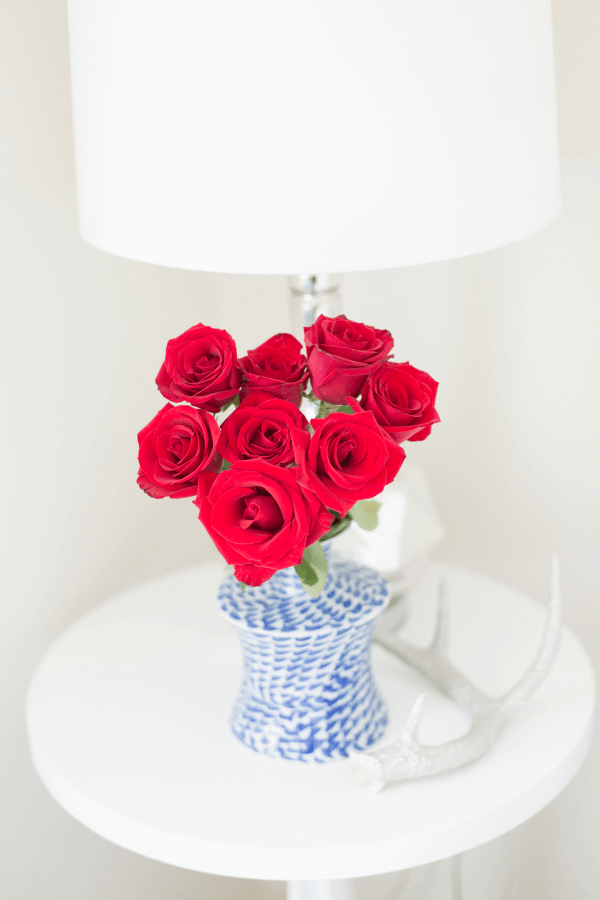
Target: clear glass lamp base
[312,296]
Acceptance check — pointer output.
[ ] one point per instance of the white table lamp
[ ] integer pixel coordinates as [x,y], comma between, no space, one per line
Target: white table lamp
[281,137]
[271,136]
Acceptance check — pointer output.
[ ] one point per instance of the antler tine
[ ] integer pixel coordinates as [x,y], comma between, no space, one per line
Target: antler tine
[372,769]
[408,735]
[439,642]
[538,669]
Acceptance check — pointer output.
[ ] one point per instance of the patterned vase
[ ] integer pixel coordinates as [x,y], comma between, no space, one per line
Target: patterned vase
[308,691]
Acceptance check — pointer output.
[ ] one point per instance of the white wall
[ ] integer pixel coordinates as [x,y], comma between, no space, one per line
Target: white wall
[513,336]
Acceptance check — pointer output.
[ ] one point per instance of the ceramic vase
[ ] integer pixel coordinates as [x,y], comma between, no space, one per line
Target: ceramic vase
[307,690]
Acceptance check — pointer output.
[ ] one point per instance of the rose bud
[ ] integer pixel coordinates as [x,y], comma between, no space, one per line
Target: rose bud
[178,449]
[261,519]
[402,400]
[201,367]
[348,458]
[277,366]
[341,354]
[260,428]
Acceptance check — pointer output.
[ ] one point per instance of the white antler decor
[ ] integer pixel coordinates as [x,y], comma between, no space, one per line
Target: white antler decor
[405,758]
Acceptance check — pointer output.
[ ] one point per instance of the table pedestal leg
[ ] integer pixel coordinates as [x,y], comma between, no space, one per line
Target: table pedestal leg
[321,890]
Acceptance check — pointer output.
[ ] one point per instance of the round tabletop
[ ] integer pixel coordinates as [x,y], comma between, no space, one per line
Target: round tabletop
[128,724]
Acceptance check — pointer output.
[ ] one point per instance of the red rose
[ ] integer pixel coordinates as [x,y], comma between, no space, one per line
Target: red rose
[402,400]
[348,458]
[261,519]
[277,366]
[201,367]
[177,450]
[341,354]
[260,428]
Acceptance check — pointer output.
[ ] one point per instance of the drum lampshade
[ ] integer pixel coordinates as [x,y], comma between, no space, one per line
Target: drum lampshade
[278,136]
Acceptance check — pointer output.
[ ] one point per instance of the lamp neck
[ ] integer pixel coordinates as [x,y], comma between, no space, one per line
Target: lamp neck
[312,296]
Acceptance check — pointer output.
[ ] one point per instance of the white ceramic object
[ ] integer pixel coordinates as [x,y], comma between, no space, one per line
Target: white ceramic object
[409,528]
[308,692]
[128,724]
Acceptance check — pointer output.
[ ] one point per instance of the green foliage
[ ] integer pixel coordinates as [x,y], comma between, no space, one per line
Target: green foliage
[308,395]
[312,571]
[326,408]
[338,527]
[364,514]
[235,402]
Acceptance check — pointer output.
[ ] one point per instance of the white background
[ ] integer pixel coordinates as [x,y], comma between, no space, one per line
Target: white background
[512,335]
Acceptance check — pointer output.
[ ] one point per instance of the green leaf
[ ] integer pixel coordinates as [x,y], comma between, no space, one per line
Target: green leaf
[235,402]
[225,465]
[364,514]
[312,571]
[326,408]
[339,526]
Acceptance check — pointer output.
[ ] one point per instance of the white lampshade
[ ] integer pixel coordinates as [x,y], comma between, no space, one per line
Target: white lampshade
[281,136]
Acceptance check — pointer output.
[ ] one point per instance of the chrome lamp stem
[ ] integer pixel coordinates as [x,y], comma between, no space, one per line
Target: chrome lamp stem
[312,296]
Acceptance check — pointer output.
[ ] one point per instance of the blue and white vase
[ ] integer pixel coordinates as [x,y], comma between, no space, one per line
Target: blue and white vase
[308,692]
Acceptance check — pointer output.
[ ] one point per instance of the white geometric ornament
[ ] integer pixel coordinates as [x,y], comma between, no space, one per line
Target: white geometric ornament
[409,527]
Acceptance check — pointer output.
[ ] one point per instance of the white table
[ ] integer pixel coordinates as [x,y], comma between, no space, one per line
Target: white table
[128,723]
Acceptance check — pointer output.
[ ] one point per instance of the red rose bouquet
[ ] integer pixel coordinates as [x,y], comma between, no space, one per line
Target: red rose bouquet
[271,486]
